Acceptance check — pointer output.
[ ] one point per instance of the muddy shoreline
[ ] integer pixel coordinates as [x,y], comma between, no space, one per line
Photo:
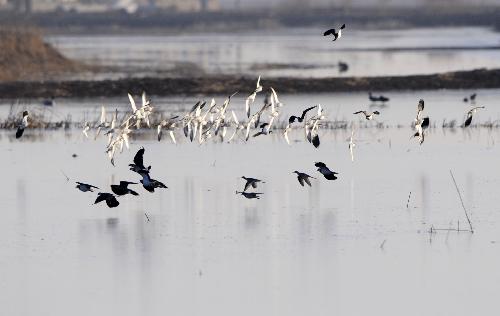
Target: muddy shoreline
[223,85]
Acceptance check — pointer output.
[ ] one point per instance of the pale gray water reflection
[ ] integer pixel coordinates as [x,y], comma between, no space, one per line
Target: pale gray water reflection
[286,52]
[296,251]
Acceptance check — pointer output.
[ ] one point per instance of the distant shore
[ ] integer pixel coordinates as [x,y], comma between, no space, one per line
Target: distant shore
[225,85]
[167,21]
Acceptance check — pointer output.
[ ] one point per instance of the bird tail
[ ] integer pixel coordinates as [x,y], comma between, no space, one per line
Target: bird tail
[133,192]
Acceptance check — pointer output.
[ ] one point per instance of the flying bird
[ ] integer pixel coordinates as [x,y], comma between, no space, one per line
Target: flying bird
[110,199]
[300,119]
[150,184]
[251,182]
[327,173]
[84,187]
[122,188]
[368,115]
[303,177]
[336,35]
[138,164]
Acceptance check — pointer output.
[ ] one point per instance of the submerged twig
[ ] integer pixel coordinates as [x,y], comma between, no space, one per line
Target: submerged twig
[408,202]
[461,201]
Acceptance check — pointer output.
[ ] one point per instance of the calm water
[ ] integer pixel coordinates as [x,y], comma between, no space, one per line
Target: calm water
[297,251]
[297,52]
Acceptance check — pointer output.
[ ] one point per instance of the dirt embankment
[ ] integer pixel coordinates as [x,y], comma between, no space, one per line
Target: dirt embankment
[25,56]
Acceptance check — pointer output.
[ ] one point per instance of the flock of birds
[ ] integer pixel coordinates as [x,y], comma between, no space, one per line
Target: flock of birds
[204,121]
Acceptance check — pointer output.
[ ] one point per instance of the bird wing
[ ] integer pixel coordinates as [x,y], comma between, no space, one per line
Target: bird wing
[144,101]
[359,112]
[139,158]
[235,118]
[100,197]
[301,180]
[307,110]
[329,32]
[132,103]
[258,87]
[171,133]
[103,115]
[247,185]
[159,132]
[250,99]
[306,179]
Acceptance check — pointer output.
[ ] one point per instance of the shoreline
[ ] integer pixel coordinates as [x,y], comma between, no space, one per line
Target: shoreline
[225,85]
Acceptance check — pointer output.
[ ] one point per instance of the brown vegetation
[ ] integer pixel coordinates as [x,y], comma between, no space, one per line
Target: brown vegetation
[25,56]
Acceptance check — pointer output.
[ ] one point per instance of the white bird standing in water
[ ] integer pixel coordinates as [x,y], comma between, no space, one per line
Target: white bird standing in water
[352,145]
[22,126]
[86,128]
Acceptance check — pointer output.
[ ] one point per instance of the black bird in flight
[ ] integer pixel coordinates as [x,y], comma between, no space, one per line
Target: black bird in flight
[110,199]
[336,35]
[122,188]
[327,173]
[300,119]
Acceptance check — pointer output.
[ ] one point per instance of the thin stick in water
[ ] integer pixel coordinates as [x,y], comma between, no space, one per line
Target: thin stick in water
[408,203]
[461,201]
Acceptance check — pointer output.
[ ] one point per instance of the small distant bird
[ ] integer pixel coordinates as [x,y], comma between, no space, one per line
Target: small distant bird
[250,195]
[380,98]
[110,199]
[303,177]
[327,173]
[22,125]
[336,35]
[352,145]
[368,115]
[122,188]
[86,128]
[342,66]
[49,102]
[472,98]
[150,184]
[264,130]
[300,119]
[84,187]
[420,126]
[251,182]
[471,112]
